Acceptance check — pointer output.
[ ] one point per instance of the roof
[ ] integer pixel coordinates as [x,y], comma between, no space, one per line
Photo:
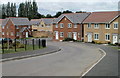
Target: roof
[17,21]
[47,20]
[73,17]
[35,21]
[102,17]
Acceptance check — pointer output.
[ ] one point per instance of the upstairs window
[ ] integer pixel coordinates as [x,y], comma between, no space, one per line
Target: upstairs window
[61,25]
[75,25]
[17,27]
[3,27]
[89,25]
[56,26]
[107,26]
[96,26]
[69,25]
[115,25]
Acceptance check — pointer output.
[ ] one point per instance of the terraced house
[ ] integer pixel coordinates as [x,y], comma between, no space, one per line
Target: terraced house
[16,27]
[42,27]
[69,26]
[102,27]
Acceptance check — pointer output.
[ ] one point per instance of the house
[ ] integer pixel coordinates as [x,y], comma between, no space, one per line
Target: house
[69,25]
[16,27]
[42,27]
[102,27]
[1,27]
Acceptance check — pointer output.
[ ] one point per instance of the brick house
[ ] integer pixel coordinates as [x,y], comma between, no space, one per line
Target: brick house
[42,27]
[1,27]
[69,26]
[16,27]
[102,27]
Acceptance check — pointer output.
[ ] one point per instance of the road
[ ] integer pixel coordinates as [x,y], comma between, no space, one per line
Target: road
[72,60]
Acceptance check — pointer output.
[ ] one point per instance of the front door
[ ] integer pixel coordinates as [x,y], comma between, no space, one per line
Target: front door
[26,34]
[75,35]
[89,37]
[56,35]
[115,39]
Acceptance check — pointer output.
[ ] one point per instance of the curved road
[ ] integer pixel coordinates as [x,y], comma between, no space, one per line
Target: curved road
[72,60]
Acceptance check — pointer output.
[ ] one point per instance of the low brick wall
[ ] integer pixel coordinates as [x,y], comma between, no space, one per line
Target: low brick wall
[42,34]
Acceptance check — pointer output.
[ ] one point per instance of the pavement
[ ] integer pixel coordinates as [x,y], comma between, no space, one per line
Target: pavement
[73,60]
[26,54]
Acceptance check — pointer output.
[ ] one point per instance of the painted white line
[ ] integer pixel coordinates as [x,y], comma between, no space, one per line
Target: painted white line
[95,63]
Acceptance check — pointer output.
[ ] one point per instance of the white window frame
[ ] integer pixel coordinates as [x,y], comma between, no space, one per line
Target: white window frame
[89,25]
[106,38]
[61,34]
[69,25]
[75,25]
[12,34]
[115,23]
[56,26]
[3,33]
[61,25]
[17,34]
[17,27]
[29,26]
[3,27]
[95,38]
[96,26]
[106,26]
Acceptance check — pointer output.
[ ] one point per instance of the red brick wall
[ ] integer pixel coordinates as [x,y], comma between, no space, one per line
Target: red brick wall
[65,21]
[12,28]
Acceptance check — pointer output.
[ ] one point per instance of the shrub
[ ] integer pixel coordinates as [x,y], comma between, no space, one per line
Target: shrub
[69,39]
[93,42]
[109,42]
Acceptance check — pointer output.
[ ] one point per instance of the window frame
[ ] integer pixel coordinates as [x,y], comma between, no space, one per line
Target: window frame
[96,38]
[106,26]
[69,25]
[89,25]
[61,25]
[114,25]
[75,25]
[62,34]
[106,37]
[96,25]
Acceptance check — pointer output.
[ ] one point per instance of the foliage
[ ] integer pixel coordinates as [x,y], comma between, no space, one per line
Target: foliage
[69,39]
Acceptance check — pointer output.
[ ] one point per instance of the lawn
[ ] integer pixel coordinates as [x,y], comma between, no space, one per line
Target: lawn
[28,48]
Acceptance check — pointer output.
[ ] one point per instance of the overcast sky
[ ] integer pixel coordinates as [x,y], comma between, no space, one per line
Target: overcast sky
[53,6]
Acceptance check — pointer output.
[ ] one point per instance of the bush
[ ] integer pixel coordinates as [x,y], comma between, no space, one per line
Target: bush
[93,42]
[69,39]
[44,36]
[109,42]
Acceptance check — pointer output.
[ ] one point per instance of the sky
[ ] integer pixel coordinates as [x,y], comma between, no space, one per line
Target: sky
[53,6]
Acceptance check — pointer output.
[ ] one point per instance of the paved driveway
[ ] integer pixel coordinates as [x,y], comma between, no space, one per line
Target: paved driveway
[72,60]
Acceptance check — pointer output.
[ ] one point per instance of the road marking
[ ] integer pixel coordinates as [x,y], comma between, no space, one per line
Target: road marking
[95,63]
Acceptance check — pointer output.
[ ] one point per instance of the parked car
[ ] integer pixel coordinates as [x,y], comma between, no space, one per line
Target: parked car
[5,40]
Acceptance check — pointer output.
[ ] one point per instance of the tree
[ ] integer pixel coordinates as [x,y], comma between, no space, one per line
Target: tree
[35,9]
[48,16]
[3,11]
[80,12]
[21,10]
[67,11]
[58,14]
[14,10]
[8,10]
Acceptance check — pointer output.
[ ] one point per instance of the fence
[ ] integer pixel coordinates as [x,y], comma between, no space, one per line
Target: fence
[18,45]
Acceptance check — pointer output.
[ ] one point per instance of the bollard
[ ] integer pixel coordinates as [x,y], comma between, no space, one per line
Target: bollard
[25,44]
[33,44]
[15,45]
[39,44]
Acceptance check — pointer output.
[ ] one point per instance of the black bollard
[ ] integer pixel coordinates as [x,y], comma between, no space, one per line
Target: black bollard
[2,46]
[43,43]
[39,43]
[33,44]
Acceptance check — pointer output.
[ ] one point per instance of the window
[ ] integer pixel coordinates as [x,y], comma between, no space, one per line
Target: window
[17,27]
[96,36]
[107,26]
[61,34]
[2,33]
[89,25]
[12,34]
[7,33]
[56,26]
[69,25]
[96,26]
[3,27]
[29,26]
[107,37]
[75,25]
[115,25]
[61,25]
[17,33]
[7,27]
[69,34]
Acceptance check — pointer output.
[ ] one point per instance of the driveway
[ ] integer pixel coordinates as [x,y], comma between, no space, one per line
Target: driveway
[72,60]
